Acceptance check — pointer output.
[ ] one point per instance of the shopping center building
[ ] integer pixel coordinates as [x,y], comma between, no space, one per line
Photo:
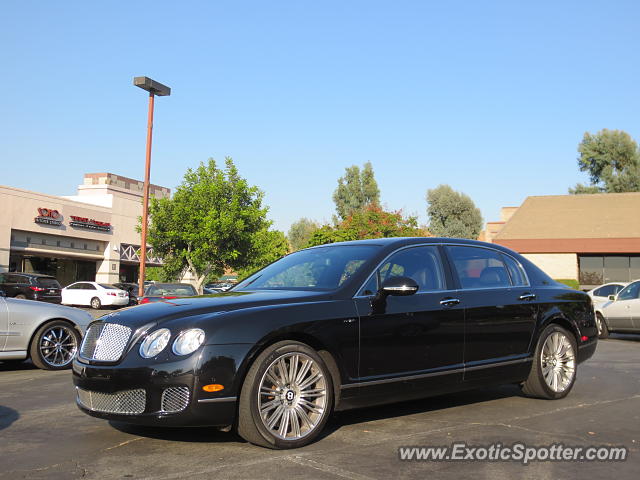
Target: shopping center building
[88,236]
[593,239]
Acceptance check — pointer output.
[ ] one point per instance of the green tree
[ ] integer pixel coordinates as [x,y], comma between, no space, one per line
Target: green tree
[270,245]
[300,232]
[452,214]
[214,222]
[612,160]
[356,189]
[370,222]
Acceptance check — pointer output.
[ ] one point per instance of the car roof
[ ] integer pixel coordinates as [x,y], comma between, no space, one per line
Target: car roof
[410,241]
[35,275]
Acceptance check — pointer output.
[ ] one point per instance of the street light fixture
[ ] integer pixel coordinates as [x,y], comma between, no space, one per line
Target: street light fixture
[154,88]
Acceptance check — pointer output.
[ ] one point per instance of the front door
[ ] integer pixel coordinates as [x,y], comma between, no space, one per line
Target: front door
[414,341]
[619,313]
[4,323]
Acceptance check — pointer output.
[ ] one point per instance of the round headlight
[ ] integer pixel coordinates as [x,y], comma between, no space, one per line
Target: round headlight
[188,341]
[155,342]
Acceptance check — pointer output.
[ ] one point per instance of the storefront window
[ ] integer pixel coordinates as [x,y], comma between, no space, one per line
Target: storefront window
[599,269]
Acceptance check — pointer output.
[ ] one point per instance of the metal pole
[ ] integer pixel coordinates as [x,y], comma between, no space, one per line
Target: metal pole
[145,200]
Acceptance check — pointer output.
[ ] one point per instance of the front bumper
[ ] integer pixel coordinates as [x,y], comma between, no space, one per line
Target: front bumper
[112,392]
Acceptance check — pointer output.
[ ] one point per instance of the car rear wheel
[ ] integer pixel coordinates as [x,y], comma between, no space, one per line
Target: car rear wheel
[603,330]
[286,397]
[21,296]
[96,303]
[54,345]
[553,372]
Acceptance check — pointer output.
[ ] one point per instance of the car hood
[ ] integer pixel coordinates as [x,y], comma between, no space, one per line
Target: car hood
[167,310]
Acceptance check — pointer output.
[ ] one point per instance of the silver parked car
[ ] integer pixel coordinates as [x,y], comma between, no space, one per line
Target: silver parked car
[621,313]
[48,334]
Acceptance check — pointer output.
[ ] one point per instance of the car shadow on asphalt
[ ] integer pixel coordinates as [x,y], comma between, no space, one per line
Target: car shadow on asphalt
[631,337]
[16,365]
[7,416]
[336,421]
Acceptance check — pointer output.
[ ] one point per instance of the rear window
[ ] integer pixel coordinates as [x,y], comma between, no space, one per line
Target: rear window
[107,286]
[181,290]
[47,282]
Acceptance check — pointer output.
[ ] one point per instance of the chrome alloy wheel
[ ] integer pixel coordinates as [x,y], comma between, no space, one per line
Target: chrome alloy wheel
[292,398]
[558,362]
[58,345]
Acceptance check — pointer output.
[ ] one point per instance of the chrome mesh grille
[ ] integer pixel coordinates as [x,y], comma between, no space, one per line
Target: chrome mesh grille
[174,399]
[105,341]
[128,402]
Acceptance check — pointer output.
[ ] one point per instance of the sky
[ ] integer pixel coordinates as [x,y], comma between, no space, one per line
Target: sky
[490,97]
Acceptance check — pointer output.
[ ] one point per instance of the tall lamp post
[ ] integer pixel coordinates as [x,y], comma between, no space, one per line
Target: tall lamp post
[154,88]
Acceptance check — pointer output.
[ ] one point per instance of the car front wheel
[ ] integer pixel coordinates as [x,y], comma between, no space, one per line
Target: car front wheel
[54,345]
[553,372]
[603,330]
[286,397]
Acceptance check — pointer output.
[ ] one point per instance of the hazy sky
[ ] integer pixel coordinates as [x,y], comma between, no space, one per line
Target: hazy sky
[489,97]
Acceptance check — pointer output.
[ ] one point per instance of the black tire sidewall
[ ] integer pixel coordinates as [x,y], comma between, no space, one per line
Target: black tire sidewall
[543,338]
[99,303]
[36,355]
[603,326]
[265,362]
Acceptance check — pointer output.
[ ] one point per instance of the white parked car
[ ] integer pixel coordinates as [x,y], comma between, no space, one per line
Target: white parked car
[94,294]
[622,313]
[601,294]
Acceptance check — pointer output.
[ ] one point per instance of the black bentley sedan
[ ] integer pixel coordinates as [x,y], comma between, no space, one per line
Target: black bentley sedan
[336,327]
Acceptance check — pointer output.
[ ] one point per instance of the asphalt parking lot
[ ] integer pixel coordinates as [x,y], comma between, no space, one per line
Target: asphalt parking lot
[44,435]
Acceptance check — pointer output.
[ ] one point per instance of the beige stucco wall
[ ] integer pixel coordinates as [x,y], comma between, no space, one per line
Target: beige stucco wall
[20,207]
[556,265]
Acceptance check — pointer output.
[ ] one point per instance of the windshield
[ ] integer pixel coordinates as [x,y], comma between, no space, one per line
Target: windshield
[322,268]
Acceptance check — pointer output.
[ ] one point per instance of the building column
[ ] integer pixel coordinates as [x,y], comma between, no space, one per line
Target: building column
[108,270]
[5,247]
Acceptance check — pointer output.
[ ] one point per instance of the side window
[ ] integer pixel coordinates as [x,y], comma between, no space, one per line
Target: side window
[516,272]
[631,292]
[422,264]
[479,267]
[606,291]
[88,286]
[616,289]
[371,287]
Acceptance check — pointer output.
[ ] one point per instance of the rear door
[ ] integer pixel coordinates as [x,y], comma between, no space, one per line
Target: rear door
[500,311]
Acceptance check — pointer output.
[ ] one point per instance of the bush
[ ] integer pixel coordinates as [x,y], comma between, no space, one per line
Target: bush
[570,282]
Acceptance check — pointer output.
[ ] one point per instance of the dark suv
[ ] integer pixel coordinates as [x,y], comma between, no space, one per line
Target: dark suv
[32,286]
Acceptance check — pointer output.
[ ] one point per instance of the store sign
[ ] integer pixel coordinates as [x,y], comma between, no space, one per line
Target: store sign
[48,216]
[89,224]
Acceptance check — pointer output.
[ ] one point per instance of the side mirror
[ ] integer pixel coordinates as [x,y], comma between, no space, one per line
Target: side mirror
[399,286]
[612,298]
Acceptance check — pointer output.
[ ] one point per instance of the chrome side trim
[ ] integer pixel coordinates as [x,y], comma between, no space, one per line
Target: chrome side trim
[217,400]
[13,355]
[400,379]
[434,374]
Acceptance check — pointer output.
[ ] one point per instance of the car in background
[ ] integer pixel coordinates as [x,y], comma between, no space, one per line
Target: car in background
[621,313]
[158,292]
[31,286]
[131,289]
[334,327]
[219,286]
[601,294]
[48,334]
[94,294]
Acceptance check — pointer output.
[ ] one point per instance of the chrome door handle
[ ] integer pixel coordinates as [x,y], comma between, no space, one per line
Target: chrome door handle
[449,302]
[527,296]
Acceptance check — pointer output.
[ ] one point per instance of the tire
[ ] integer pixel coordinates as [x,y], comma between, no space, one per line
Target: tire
[305,407]
[95,303]
[21,296]
[54,345]
[601,323]
[553,372]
